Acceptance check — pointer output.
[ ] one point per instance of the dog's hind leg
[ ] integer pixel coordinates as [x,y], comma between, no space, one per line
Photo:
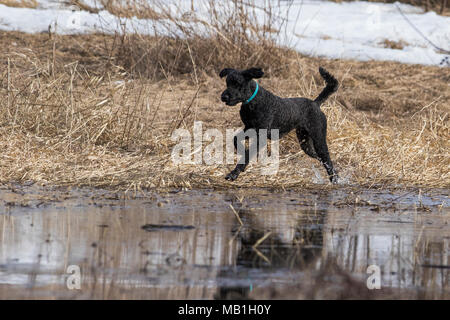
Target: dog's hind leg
[314,144]
[321,148]
[306,143]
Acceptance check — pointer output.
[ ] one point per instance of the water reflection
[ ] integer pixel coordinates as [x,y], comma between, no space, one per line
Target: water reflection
[311,245]
[291,244]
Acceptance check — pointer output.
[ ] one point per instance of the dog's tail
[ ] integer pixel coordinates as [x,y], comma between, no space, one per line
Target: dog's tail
[332,86]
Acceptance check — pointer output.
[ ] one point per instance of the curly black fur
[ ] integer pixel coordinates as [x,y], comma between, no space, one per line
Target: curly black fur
[268,111]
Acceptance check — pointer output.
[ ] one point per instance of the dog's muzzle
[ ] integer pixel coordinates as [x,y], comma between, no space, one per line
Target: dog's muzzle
[225,97]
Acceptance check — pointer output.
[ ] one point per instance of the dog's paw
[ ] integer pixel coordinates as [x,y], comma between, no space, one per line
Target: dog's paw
[232,176]
[334,179]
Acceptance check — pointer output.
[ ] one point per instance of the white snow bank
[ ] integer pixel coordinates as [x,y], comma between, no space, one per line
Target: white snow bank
[349,30]
[357,29]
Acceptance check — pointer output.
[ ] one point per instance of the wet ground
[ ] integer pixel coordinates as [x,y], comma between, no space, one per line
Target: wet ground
[205,244]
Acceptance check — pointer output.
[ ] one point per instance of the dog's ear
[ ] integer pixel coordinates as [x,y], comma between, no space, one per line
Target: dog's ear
[225,72]
[253,73]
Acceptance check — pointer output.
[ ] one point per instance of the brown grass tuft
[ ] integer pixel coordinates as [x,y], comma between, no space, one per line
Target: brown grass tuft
[399,45]
[141,9]
[20,3]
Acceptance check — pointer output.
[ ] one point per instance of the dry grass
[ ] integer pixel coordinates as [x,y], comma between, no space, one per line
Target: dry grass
[71,116]
[399,45]
[99,110]
[134,7]
[20,3]
[141,9]
[439,6]
[230,35]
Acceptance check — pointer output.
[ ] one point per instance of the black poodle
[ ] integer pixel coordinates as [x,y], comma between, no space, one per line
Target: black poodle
[262,109]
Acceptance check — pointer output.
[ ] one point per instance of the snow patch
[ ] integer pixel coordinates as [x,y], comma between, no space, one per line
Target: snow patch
[349,30]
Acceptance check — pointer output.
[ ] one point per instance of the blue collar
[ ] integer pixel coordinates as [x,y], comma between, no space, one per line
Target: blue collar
[253,95]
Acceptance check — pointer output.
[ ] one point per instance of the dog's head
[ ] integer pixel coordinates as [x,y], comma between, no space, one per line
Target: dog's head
[238,84]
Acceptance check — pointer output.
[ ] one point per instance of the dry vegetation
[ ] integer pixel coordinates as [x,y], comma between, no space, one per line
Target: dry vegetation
[20,3]
[439,6]
[99,110]
[134,7]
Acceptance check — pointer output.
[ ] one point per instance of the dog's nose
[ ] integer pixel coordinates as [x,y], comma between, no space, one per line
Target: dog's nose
[225,97]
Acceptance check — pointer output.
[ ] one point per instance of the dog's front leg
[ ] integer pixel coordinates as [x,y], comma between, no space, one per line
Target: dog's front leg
[240,167]
[245,159]
[237,141]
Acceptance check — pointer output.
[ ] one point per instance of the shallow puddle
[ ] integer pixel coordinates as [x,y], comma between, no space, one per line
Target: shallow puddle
[192,245]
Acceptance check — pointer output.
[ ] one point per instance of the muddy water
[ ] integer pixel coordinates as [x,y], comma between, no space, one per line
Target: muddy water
[191,245]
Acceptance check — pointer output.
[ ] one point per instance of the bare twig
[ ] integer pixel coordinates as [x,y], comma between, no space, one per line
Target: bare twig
[237,215]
